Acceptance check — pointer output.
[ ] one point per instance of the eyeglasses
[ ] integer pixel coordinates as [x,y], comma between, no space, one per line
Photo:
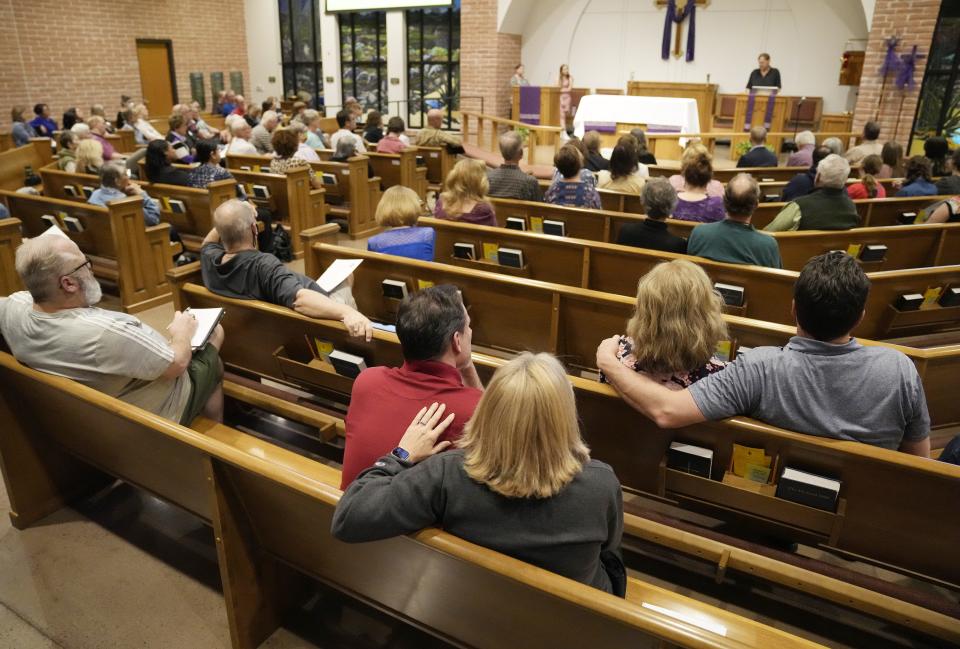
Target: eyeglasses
[87,263]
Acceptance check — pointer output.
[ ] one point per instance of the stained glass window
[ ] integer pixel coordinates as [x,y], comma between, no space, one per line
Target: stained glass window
[433,64]
[300,50]
[363,58]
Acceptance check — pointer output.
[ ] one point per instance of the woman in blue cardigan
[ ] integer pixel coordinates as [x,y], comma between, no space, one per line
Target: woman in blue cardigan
[398,211]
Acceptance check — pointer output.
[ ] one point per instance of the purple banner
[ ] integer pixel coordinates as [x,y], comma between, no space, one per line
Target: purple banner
[530,104]
[751,103]
[600,127]
[767,116]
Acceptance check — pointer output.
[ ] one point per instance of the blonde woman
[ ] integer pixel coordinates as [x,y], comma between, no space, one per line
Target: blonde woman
[398,211]
[144,130]
[696,153]
[464,195]
[89,156]
[520,482]
[675,327]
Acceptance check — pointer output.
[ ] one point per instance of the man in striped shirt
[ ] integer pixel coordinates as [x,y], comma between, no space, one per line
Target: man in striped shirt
[509,181]
[54,327]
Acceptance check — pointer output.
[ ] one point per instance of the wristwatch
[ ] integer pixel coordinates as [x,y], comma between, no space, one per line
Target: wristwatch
[400,453]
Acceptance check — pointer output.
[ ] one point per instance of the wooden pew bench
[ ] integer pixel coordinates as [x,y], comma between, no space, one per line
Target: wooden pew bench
[122,248]
[400,169]
[439,162]
[67,186]
[13,162]
[196,219]
[353,196]
[9,242]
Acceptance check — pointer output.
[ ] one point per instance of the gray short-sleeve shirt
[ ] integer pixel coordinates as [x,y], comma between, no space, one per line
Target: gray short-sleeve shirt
[252,275]
[850,391]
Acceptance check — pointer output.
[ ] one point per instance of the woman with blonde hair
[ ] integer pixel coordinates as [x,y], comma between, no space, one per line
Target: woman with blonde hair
[464,195]
[520,481]
[398,211]
[693,153]
[143,130]
[89,155]
[676,325]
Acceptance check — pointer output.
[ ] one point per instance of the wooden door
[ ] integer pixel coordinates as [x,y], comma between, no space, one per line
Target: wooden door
[156,76]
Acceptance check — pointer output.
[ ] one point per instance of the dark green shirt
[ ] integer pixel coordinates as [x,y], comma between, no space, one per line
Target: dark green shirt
[734,243]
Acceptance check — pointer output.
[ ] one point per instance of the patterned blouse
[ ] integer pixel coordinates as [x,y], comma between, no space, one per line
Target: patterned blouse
[203,175]
[675,381]
[282,165]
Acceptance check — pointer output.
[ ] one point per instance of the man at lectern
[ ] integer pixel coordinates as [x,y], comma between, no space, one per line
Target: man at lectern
[764,75]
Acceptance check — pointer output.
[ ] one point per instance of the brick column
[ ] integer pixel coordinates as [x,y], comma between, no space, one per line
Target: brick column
[914,23]
[487,58]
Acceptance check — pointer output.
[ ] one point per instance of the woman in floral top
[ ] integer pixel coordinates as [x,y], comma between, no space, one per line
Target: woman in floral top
[676,326]
[285,144]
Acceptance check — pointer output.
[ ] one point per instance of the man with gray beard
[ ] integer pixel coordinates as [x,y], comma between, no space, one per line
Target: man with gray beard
[54,327]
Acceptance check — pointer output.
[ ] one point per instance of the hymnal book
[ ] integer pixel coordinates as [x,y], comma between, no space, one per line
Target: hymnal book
[323,349]
[70,190]
[263,170]
[73,224]
[690,459]
[906,218]
[384,327]
[394,289]
[421,161]
[909,302]
[873,253]
[772,198]
[176,206]
[336,273]
[516,223]
[207,321]
[424,283]
[724,350]
[347,364]
[464,250]
[87,190]
[854,249]
[51,220]
[556,228]
[490,251]
[536,224]
[261,191]
[808,489]
[245,168]
[768,180]
[950,297]
[745,457]
[329,179]
[732,295]
[930,296]
[510,257]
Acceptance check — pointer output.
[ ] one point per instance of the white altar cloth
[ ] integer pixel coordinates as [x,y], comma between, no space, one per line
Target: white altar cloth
[679,113]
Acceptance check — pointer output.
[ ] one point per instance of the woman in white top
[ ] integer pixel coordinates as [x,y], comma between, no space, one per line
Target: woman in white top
[143,127]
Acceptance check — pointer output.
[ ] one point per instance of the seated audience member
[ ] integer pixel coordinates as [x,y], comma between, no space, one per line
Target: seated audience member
[232,267]
[241,107]
[208,169]
[464,195]
[81,131]
[125,104]
[347,122]
[827,208]
[311,119]
[644,156]
[89,156]
[804,183]
[229,103]
[240,144]
[892,156]
[114,185]
[630,142]
[346,149]
[823,382]
[304,151]
[433,135]
[391,142]
[918,180]
[97,110]
[696,153]
[42,125]
[758,155]
[56,328]
[870,145]
[179,140]
[20,131]
[199,127]
[67,153]
[143,129]
[261,134]
[520,481]
[694,201]
[676,325]
[951,184]
[868,187]
[951,452]
[587,177]
[159,165]
[398,211]
[373,129]
[803,157]
[570,188]
[734,240]
[945,211]
[434,331]
[98,131]
[659,199]
[285,145]
[72,116]
[621,175]
[298,109]
[835,145]
[508,180]
[594,160]
[252,115]
[936,149]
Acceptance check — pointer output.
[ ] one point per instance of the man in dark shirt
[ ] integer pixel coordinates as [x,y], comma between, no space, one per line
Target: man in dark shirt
[659,199]
[236,269]
[804,183]
[764,75]
[950,185]
[509,181]
[759,155]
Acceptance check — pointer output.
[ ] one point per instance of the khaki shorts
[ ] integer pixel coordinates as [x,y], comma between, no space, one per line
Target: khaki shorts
[205,377]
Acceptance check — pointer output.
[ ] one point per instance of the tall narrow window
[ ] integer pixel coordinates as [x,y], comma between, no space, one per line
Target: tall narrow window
[300,50]
[433,64]
[938,112]
[363,58]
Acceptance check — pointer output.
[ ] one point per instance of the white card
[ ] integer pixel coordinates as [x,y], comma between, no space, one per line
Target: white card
[338,271]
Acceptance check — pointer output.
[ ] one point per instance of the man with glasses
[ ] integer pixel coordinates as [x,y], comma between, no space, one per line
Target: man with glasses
[54,327]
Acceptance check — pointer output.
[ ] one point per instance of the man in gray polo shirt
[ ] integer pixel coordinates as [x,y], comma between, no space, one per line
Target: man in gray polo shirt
[823,382]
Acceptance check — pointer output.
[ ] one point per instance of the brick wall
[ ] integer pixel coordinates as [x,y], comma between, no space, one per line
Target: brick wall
[78,54]
[914,23]
[487,58]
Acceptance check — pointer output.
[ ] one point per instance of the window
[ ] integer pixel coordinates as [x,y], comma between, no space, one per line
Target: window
[938,111]
[363,58]
[433,64]
[300,50]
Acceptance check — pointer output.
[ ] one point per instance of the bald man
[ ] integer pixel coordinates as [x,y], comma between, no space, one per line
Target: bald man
[54,327]
[432,135]
[233,267]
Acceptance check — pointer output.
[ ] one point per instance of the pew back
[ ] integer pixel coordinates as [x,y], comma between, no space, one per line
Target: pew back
[400,169]
[9,242]
[14,162]
[358,196]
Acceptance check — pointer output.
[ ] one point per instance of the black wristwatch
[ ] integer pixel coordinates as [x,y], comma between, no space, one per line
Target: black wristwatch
[401,454]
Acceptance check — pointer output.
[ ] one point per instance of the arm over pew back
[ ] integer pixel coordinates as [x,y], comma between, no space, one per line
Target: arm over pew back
[9,242]
[239,484]
[400,169]
[115,238]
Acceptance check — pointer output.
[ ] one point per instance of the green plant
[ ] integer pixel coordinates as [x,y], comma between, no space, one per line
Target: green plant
[523,132]
[743,147]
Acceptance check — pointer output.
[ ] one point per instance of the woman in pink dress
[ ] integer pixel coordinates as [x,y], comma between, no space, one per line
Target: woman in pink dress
[566,85]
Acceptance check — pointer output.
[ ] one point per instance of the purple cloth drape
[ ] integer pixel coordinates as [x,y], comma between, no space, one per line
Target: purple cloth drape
[768,114]
[907,66]
[891,64]
[674,16]
[530,104]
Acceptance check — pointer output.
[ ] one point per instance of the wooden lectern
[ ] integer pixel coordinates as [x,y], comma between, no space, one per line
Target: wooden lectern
[549,103]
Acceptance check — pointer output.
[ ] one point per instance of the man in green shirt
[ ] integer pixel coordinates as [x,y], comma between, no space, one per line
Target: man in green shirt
[734,240]
[829,207]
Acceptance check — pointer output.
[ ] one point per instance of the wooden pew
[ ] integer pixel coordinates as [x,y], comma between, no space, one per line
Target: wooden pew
[6,141]
[14,162]
[636,448]
[56,181]
[114,238]
[237,484]
[354,197]
[874,212]
[240,162]
[196,222]
[9,242]
[400,169]
[439,162]
[621,201]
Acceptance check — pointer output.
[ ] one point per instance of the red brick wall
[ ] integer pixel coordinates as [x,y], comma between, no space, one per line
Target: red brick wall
[913,22]
[82,53]
[487,58]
